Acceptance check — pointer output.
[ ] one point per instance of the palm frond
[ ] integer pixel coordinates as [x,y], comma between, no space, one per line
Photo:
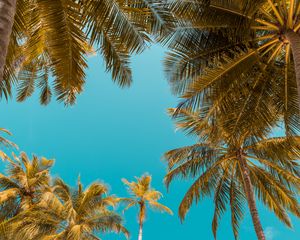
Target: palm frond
[62,28]
[159,207]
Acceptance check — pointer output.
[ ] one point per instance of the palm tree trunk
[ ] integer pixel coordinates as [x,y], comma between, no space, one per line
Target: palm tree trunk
[294,40]
[251,197]
[141,232]
[7,14]
[142,214]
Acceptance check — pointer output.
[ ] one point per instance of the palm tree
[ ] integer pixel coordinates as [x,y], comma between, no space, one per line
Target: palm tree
[23,185]
[52,38]
[236,170]
[143,195]
[226,42]
[66,213]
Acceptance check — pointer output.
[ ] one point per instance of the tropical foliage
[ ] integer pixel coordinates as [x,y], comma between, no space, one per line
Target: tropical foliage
[33,206]
[65,213]
[53,38]
[23,185]
[143,196]
[236,169]
[243,45]
[236,67]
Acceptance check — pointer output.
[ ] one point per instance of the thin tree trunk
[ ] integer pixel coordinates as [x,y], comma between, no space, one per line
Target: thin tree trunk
[141,232]
[251,197]
[7,14]
[294,40]
[142,214]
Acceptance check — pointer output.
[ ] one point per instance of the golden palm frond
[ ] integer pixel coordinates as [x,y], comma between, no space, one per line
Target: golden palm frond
[5,142]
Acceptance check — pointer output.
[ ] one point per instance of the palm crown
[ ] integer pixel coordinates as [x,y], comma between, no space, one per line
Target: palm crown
[241,45]
[23,185]
[227,169]
[66,213]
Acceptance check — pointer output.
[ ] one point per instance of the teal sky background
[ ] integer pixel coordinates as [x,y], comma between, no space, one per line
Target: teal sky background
[113,133]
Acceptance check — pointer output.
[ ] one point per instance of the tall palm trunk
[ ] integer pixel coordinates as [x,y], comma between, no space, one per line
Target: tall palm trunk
[7,14]
[141,231]
[141,219]
[250,197]
[294,40]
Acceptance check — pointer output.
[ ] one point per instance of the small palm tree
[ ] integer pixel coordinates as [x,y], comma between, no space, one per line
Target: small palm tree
[235,171]
[143,195]
[66,213]
[23,185]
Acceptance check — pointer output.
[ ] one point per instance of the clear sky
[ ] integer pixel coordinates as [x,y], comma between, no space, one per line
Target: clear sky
[111,134]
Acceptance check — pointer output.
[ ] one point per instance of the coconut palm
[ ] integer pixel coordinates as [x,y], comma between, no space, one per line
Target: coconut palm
[42,38]
[225,42]
[143,195]
[236,170]
[66,213]
[23,184]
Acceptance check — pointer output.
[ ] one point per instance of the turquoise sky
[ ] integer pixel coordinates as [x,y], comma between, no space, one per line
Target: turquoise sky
[112,133]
